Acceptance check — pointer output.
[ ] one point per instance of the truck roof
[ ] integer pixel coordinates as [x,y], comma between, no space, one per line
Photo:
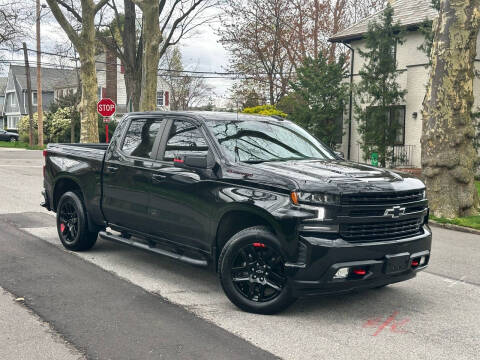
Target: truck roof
[215,115]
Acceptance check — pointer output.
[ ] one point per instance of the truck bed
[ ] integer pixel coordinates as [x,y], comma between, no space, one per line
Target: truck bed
[81,150]
[82,162]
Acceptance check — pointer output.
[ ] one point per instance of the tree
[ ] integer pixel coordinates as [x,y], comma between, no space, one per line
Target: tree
[269,39]
[164,24]
[378,89]
[321,95]
[186,90]
[254,32]
[14,18]
[84,42]
[448,154]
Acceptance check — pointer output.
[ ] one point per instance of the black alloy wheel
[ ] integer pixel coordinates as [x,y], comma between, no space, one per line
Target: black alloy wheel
[72,223]
[258,272]
[251,268]
[13,139]
[69,224]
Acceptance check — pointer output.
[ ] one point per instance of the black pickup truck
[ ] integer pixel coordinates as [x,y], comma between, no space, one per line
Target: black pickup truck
[275,212]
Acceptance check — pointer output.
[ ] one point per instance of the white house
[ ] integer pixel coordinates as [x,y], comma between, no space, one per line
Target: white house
[111,83]
[412,66]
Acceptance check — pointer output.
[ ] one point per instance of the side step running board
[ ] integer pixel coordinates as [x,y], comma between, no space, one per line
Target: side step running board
[122,240]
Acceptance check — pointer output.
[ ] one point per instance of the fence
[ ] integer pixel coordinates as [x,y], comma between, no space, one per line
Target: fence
[402,156]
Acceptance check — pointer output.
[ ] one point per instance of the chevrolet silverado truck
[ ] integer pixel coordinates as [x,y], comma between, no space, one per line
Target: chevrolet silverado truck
[273,210]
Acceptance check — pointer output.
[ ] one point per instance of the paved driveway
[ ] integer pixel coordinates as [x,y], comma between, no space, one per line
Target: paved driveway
[434,316]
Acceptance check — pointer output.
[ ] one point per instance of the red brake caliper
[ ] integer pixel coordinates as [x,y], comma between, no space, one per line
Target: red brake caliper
[259,245]
[62,227]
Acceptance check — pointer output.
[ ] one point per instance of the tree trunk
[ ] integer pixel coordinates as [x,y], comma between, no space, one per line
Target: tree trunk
[133,56]
[88,77]
[133,85]
[448,154]
[88,102]
[84,42]
[151,41]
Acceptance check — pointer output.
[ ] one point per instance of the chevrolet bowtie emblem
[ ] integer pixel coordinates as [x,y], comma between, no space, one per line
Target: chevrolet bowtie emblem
[395,212]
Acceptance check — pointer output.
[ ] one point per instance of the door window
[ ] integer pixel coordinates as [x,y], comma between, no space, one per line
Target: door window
[140,138]
[184,138]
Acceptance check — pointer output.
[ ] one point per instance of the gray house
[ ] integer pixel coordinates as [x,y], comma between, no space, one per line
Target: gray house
[15,93]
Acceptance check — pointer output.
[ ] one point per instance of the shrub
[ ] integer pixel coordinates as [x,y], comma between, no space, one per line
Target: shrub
[56,126]
[24,128]
[264,110]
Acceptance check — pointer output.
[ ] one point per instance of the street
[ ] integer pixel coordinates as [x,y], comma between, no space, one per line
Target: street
[121,303]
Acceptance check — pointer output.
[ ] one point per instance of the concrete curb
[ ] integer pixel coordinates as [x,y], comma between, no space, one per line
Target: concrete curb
[454,227]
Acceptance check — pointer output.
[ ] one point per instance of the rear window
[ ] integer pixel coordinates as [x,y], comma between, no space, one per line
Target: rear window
[140,137]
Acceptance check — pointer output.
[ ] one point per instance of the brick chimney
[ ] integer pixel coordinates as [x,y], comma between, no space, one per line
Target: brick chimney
[111,75]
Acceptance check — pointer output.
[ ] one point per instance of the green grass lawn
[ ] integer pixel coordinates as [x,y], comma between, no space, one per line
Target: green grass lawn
[467,221]
[19,145]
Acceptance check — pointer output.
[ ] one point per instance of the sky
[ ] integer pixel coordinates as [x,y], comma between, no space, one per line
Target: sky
[202,50]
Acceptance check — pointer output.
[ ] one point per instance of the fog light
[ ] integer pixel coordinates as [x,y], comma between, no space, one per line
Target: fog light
[422,260]
[341,273]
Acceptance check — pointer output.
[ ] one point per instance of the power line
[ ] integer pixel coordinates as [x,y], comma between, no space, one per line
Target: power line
[73,68]
[217,73]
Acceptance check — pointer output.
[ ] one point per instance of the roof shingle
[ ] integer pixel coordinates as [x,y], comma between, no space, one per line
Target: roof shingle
[51,78]
[408,12]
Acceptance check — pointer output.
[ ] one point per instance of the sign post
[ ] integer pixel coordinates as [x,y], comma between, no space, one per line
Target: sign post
[106,108]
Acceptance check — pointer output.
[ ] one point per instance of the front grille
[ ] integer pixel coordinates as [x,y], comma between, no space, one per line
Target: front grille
[382,198]
[378,231]
[381,212]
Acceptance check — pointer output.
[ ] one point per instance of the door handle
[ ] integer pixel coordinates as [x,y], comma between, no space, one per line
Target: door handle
[112,168]
[157,178]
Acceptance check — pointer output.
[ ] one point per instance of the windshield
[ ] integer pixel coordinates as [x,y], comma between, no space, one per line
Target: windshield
[254,141]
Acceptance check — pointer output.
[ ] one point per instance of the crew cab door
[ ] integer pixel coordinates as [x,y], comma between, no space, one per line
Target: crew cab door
[181,201]
[127,175]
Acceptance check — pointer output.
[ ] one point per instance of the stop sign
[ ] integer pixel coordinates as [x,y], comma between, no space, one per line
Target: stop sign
[106,107]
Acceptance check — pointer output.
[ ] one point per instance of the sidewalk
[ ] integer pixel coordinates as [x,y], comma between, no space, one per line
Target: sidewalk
[24,336]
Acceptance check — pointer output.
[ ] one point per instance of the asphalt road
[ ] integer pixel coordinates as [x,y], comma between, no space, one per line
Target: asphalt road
[434,316]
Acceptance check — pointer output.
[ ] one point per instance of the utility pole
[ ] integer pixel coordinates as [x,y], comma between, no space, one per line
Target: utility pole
[39,80]
[29,91]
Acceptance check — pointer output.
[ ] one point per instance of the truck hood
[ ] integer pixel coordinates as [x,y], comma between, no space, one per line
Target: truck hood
[336,176]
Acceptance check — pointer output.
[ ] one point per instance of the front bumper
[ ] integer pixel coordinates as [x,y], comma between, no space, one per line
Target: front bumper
[323,257]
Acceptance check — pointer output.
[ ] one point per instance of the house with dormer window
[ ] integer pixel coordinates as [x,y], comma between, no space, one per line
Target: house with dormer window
[413,69]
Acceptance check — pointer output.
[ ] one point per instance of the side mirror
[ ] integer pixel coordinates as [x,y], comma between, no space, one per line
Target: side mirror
[340,154]
[193,161]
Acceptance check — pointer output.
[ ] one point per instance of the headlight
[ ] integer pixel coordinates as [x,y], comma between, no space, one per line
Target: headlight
[318,198]
[319,212]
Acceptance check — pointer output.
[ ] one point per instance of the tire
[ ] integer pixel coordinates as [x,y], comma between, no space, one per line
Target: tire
[13,139]
[72,224]
[246,281]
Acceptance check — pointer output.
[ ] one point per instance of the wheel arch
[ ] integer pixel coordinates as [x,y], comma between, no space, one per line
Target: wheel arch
[236,219]
[64,184]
